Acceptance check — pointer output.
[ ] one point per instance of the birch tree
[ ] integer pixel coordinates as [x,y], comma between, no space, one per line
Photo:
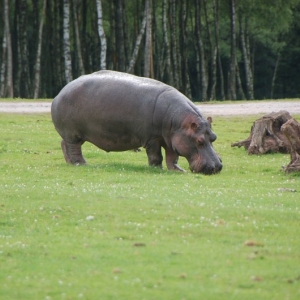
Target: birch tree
[137,43]
[102,35]
[66,41]
[37,69]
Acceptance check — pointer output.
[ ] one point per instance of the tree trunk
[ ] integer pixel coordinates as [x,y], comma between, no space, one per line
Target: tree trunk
[167,70]
[246,59]
[9,81]
[3,67]
[148,41]
[274,75]
[265,136]
[25,79]
[217,31]
[125,33]
[240,90]
[291,129]
[185,89]
[137,43]
[37,69]
[77,38]
[113,50]
[67,50]
[119,35]
[200,46]
[58,51]
[102,36]
[232,72]
[174,43]
[213,58]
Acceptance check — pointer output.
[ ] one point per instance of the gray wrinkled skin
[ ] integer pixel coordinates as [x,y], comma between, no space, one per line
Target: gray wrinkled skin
[118,112]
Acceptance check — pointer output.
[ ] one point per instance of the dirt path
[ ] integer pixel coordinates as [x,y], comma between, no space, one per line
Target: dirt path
[293,107]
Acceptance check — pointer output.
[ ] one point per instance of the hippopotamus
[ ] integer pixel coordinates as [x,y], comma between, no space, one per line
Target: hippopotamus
[118,111]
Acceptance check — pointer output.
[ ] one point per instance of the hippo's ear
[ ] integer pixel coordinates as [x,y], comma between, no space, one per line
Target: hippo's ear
[209,120]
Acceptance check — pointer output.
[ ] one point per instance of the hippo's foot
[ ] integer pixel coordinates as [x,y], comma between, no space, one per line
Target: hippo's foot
[155,161]
[153,150]
[177,168]
[72,153]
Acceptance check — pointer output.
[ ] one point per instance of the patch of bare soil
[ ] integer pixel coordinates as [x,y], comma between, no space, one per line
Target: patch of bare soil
[216,109]
[252,108]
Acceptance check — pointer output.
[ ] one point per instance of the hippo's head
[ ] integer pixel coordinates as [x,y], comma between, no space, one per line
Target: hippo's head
[193,140]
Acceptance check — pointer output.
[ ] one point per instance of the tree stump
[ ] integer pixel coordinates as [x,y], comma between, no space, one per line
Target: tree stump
[291,129]
[265,136]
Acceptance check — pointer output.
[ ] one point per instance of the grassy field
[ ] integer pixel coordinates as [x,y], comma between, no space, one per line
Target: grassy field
[117,229]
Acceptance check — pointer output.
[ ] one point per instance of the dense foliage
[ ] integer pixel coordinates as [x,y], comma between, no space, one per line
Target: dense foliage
[208,49]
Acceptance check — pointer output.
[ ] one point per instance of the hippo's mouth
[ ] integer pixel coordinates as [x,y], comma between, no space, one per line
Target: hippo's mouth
[207,168]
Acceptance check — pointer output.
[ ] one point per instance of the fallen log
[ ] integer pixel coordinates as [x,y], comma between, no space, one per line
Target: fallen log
[291,129]
[266,136]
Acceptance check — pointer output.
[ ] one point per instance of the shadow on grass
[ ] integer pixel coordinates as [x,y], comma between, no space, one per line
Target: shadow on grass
[114,167]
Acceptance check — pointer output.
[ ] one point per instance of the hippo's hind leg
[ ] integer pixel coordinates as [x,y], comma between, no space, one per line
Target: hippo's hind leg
[72,153]
[155,158]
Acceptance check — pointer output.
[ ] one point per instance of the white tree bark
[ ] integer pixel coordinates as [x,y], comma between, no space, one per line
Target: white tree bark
[137,43]
[10,91]
[37,69]
[102,36]
[67,51]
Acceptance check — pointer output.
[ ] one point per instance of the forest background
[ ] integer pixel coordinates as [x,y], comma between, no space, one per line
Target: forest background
[207,49]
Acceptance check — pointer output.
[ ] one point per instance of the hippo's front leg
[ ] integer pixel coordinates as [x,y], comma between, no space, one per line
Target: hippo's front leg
[172,159]
[72,153]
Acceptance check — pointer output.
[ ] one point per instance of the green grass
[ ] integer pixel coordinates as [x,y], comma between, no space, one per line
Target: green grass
[155,234]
